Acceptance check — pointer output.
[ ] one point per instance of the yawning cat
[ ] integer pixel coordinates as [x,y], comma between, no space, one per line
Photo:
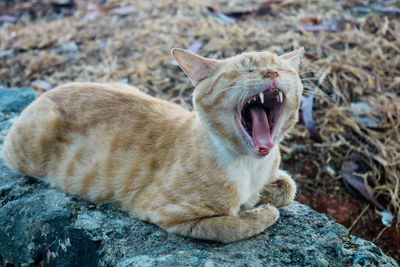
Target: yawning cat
[198,174]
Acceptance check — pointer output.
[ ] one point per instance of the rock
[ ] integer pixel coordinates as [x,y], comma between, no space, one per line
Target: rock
[15,100]
[41,225]
[37,228]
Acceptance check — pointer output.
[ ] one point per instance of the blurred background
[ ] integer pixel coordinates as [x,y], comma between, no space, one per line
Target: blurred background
[345,151]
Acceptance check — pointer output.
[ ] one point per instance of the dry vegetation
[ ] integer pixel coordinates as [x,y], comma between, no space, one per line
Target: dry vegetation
[353,70]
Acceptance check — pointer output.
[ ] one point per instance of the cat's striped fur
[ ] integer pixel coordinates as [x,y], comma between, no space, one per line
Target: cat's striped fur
[188,172]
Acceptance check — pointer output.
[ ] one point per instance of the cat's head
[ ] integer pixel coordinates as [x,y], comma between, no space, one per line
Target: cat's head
[249,101]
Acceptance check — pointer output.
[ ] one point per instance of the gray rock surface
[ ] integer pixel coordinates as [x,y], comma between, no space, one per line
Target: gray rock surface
[15,100]
[41,225]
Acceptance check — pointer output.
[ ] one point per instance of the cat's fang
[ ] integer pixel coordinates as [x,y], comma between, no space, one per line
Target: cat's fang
[280,96]
[262,97]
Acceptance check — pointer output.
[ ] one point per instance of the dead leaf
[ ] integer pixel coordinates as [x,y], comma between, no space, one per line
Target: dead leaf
[124,10]
[231,16]
[99,11]
[310,21]
[355,184]
[41,85]
[265,7]
[306,111]
[310,56]
[221,17]
[382,9]
[328,25]
[8,52]
[195,46]
[387,218]
[8,18]
[361,112]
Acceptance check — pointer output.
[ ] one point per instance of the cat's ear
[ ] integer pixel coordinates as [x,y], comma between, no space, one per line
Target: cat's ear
[294,57]
[197,68]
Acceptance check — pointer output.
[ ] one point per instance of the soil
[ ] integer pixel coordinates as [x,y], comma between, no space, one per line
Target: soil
[331,197]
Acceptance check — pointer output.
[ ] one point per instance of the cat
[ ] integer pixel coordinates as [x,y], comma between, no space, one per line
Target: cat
[196,173]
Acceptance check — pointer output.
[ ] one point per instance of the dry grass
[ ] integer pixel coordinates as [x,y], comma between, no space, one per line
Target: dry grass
[361,63]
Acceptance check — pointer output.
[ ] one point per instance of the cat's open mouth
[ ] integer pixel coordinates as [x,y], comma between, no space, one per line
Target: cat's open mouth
[258,119]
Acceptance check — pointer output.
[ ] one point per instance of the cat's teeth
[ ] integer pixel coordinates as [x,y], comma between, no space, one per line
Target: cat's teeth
[255,98]
[280,96]
[262,97]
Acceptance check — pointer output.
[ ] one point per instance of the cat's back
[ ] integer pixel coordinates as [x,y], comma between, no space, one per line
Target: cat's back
[107,103]
[87,124]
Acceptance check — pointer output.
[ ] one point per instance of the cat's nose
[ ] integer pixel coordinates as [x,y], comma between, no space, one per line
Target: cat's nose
[269,73]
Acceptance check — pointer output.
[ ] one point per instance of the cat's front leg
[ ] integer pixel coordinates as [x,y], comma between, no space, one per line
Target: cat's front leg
[223,228]
[280,192]
[251,203]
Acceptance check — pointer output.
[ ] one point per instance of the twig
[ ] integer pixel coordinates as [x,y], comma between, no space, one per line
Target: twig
[380,233]
[358,218]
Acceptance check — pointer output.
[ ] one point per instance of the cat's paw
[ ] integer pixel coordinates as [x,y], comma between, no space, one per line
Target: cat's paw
[265,208]
[268,210]
[265,214]
[280,192]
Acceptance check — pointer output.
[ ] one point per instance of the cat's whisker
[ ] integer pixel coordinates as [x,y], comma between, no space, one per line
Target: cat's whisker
[314,85]
[232,96]
[242,99]
[311,88]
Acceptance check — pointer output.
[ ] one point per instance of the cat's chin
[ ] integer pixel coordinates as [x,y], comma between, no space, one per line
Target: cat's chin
[258,119]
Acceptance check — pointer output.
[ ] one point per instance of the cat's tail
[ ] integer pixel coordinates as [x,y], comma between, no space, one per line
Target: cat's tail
[27,146]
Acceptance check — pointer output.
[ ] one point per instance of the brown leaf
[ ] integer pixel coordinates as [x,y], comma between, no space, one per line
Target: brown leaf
[99,11]
[41,85]
[221,17]
[381,9]
[306,111]
[124,10]
[328,25]
[8,52]
[310,21]
[8,18]
[310,56]
[229,17]
[355,184]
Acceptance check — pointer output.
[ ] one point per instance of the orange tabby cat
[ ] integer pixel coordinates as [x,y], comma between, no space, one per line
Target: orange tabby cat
[198,174]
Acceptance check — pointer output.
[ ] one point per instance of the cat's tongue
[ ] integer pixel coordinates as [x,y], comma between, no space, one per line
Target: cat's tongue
[261,132]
